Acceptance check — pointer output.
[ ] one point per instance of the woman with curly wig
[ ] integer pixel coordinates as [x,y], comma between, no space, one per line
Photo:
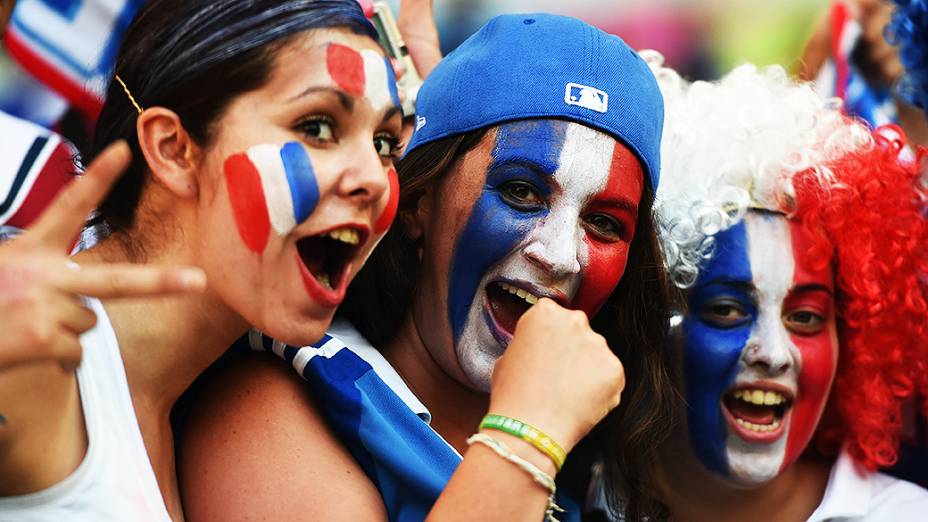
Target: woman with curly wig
[796,236]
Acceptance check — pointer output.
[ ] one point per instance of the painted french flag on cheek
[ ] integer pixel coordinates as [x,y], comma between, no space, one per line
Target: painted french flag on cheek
[270,187]
[365,74]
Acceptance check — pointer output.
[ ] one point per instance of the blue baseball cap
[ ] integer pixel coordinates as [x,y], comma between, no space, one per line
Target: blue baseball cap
[544,66]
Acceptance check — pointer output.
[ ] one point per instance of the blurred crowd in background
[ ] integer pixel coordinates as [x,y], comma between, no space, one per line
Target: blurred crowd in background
[700,38]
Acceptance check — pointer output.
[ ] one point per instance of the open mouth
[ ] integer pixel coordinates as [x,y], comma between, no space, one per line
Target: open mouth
[325,259]
[505,303]
[757,414]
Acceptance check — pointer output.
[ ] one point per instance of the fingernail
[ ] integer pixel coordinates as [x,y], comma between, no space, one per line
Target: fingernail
[73,266]
[193,279]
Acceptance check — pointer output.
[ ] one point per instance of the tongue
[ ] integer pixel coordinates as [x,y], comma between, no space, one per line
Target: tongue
[753,413]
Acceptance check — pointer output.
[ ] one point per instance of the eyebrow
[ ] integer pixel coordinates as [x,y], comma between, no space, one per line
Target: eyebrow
[522,161]
[390,112]
[621,203]
[346,101]
[744,286]
[812,287]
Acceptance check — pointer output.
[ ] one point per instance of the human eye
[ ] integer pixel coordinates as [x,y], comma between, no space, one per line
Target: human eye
[387,145]
[724,313]
[521,195]
[804,322]
[604,226]
[319,129]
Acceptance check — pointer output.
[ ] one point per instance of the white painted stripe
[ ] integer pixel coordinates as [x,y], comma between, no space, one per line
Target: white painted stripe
[266,158]
[256,340]
[376,88]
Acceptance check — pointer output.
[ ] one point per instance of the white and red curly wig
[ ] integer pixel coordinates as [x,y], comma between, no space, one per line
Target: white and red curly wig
[758,140]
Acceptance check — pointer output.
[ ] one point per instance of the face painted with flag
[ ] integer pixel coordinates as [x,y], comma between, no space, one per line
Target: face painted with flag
[308,186]
[761,349]
[542,208]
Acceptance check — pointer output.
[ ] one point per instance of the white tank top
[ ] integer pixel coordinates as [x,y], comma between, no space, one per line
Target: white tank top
[115,481]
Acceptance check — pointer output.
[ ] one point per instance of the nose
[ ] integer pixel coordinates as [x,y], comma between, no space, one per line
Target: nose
[364,179]
[769,347]
[555,244]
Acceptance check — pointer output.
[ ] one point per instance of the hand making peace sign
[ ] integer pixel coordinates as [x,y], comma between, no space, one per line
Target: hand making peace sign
[41,315]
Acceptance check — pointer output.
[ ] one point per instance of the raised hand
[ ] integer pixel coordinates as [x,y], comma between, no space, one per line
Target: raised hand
[557,374]
[41,316]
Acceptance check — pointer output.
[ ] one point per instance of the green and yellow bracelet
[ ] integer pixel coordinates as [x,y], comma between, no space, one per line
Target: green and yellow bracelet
[528,433]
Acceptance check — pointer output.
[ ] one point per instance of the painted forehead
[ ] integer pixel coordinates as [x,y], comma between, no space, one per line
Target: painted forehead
[573,154]
[365,73]
[775,244]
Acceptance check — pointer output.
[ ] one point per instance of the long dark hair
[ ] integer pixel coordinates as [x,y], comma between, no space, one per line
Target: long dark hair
[634,320]
[194,57]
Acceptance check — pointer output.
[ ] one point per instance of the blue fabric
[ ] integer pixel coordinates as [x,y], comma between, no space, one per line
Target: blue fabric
[523,66]
[400,453]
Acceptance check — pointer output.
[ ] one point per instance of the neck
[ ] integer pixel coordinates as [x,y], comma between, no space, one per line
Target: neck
[456,409]
[692,493]
[166,342]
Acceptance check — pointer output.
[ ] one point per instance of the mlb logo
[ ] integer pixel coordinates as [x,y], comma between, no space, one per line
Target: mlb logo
[587,97]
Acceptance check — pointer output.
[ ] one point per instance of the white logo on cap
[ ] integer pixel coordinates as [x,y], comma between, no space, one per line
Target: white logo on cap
[587,97]
[420,122]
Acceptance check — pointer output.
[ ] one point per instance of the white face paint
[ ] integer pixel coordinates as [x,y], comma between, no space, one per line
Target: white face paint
[547,219]
[770,357]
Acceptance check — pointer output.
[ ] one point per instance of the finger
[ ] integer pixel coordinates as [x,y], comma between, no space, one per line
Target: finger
[72,314]
[66,349]
[65,217]
[128,280]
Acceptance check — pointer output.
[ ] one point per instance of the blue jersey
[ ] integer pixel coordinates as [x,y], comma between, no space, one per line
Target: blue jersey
[378,419]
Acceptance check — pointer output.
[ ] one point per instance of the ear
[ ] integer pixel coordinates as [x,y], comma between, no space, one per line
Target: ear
[416,220]
[171,154]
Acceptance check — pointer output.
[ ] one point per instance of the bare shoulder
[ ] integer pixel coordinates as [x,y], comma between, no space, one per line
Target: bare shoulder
[256,447]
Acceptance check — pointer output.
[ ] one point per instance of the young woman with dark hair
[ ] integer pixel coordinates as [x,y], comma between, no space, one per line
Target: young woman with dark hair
[530,179]
[262,135]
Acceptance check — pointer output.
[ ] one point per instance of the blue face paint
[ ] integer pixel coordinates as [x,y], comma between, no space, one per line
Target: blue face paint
[527,151]
[712,351]
[304,190]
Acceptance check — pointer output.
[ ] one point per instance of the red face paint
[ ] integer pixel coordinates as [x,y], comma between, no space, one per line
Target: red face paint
[607,259]
[246,195]
[393,201]
[818,351]
[346,67]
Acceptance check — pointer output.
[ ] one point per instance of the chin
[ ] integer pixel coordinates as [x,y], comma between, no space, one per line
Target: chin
[298,329]
[752,465]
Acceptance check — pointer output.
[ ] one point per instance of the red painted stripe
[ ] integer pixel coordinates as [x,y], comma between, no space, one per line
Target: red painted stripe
[86,101]
[57,172]
[818,352]
[249,205]
[607,259]
[393,203]
[346,66]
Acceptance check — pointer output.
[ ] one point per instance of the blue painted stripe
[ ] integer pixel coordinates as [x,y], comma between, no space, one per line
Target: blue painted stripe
[712,351]
[391,84]
[304,190]
[320,342]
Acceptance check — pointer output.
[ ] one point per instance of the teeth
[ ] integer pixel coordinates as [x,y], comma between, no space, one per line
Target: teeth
[346,235]
[761,428]
[518,292]
[324,281]
[760,397]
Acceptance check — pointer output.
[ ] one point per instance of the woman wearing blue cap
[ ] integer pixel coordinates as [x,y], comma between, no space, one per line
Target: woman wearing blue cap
[527,189]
